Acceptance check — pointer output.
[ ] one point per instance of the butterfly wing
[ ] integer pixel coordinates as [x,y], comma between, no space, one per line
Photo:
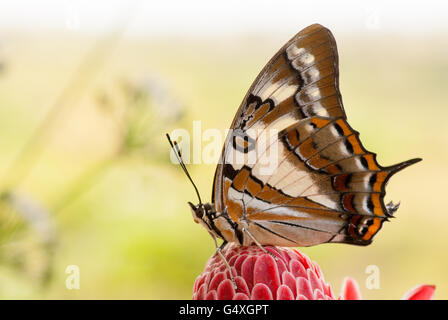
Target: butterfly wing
[277,87]
[292,167]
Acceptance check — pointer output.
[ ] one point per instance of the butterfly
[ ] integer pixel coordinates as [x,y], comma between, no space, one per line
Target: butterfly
[325,187]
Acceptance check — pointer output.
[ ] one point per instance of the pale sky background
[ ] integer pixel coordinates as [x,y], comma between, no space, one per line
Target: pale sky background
[206,17]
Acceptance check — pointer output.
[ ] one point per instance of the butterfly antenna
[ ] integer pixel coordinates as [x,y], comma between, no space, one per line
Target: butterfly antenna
[176,150]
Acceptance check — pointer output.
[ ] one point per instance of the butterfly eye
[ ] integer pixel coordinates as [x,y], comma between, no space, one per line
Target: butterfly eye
[199,212]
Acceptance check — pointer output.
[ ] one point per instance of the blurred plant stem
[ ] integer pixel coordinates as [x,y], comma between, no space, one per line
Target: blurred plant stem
[83,184]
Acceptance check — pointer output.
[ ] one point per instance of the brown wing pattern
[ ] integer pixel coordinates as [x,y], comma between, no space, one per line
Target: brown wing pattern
[324,186]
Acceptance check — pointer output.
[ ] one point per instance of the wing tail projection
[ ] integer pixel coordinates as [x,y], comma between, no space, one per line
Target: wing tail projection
[326,182]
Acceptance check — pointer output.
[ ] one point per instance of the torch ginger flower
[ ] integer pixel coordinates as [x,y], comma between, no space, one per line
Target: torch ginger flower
[258,276]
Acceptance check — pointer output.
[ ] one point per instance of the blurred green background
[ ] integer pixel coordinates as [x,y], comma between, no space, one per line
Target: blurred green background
[85,174]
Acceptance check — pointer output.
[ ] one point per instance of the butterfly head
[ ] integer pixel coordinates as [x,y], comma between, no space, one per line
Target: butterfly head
[197,211]
[204,214]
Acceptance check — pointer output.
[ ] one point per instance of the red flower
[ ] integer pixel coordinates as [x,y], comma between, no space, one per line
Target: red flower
[420,292]
[259,276]
[350,291]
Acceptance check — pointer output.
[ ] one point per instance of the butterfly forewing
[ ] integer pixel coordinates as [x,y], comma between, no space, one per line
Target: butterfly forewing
[292,167]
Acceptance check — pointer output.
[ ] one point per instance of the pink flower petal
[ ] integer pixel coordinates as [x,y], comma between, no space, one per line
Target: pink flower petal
[247,271]
[239,262]
[216,280]
[211,295]
[303,259]
[233,259]
[240,296]
[350,290]
[261,292]
[297,269]
[284,293]
[318,270]
[289,280]
[266,271]
[281,265]
[230,254]
[318,295]
[241,285]
[199,280]
[421,292]
[225,290]
[208,277]
[303,288]
[201,293]
[274,252]
[328,290]
[314,281]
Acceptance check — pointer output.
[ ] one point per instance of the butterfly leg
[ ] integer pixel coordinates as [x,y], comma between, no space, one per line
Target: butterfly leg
[219,252]
[245,230]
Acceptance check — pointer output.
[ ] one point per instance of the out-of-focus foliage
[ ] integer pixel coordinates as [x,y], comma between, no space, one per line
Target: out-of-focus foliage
[27,238]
